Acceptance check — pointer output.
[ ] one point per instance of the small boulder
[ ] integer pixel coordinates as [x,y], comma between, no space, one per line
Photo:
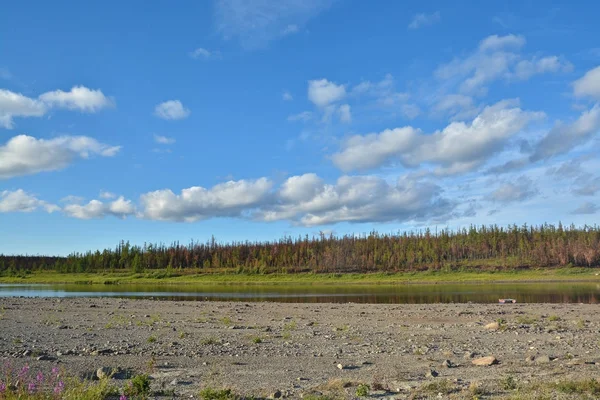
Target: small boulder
[431,373]
[340,366]
[275,395]
[542,359]
[492,326]
[485,361]
[103,372]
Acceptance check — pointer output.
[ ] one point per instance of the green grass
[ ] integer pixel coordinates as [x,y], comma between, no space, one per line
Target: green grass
[526,275]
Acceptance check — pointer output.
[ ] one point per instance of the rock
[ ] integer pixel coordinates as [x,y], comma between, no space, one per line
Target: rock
[542,359]
[469,354]
[431,373]
[530,359]
[26,353]
[340,366]
[448,364]
[485,361]
[175,382]
[103,372]
[46,358]
[275,395]
[493,326]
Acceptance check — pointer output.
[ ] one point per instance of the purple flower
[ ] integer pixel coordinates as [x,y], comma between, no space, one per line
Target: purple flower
[123,397]
[24,371]
[55,370]
[2,387]
[59,387]
[31,387]
[39,377]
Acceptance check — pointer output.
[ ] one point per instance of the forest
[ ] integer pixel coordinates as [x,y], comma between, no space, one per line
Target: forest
[478,247]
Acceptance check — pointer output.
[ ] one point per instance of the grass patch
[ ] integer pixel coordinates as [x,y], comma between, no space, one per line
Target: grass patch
[152,339]
[217,394]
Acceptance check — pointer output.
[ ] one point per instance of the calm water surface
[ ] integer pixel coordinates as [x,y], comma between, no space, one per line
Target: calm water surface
[397,294]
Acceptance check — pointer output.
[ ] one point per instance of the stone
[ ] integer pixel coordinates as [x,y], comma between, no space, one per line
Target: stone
[275,395]
[530,359]
[448,364]
[431,373]
[485,361]
[175,382]
[340,366]
[26,353]
[103,372]
[493,326]
[544,359]
[469,354]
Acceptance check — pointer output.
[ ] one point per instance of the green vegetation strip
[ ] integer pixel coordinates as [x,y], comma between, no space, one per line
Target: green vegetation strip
[571,274]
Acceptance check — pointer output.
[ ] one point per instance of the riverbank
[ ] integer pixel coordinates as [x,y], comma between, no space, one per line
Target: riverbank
[570,274]
[326,350]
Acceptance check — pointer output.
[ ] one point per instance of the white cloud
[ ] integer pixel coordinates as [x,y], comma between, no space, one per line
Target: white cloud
[586,208]
[171,110]
[78,98]
[17,105]
[256,23]
[410,111]
[523,188]
[323,92]
[589,84]
[497,57]
[24,155]
[551,64]
[564,137]
[495,42]
[303,116]
[458,106]
[423,19]
[119,208]
[309,201]
[460,147]
[103,195]
[344,113]
[21,201]
[163,139]
[204,54]
[287,96]
[228,199]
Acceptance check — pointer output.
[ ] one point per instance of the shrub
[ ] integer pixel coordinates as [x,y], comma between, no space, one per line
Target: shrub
[217,394]
[139,385]
[362,390]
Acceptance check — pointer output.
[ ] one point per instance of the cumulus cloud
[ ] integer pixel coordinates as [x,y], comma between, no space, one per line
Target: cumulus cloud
[523,188]
[228,199]
[309,201]
[24,155]
[460,147]
[423,19]
[17,105]
[323,92]
[163,139]
[458,106]
[525,69]
[497,57]
[586,208]
[103,195]
[257,23]
[21,201]
[120,208]
[171,110]
[78,98]
[589,84]
[564,137]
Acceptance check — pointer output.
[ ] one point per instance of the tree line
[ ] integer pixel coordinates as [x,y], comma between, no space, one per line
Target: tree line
[476,247]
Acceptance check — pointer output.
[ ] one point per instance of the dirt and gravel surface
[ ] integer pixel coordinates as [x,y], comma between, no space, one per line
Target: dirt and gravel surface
[299,350]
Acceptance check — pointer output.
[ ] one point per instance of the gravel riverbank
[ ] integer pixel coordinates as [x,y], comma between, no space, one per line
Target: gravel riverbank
[298,350]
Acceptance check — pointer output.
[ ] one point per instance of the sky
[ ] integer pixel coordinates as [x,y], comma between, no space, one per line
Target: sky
[160,121]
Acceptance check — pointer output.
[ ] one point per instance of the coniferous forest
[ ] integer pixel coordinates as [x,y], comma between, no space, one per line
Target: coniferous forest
[484,247]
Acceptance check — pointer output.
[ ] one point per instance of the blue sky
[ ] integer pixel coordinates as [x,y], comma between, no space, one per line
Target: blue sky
[156,122]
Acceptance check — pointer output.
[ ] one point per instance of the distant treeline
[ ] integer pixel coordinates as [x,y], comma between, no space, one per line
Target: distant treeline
[483,247]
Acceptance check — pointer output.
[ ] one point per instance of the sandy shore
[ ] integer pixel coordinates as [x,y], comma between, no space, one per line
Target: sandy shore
[260,349]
